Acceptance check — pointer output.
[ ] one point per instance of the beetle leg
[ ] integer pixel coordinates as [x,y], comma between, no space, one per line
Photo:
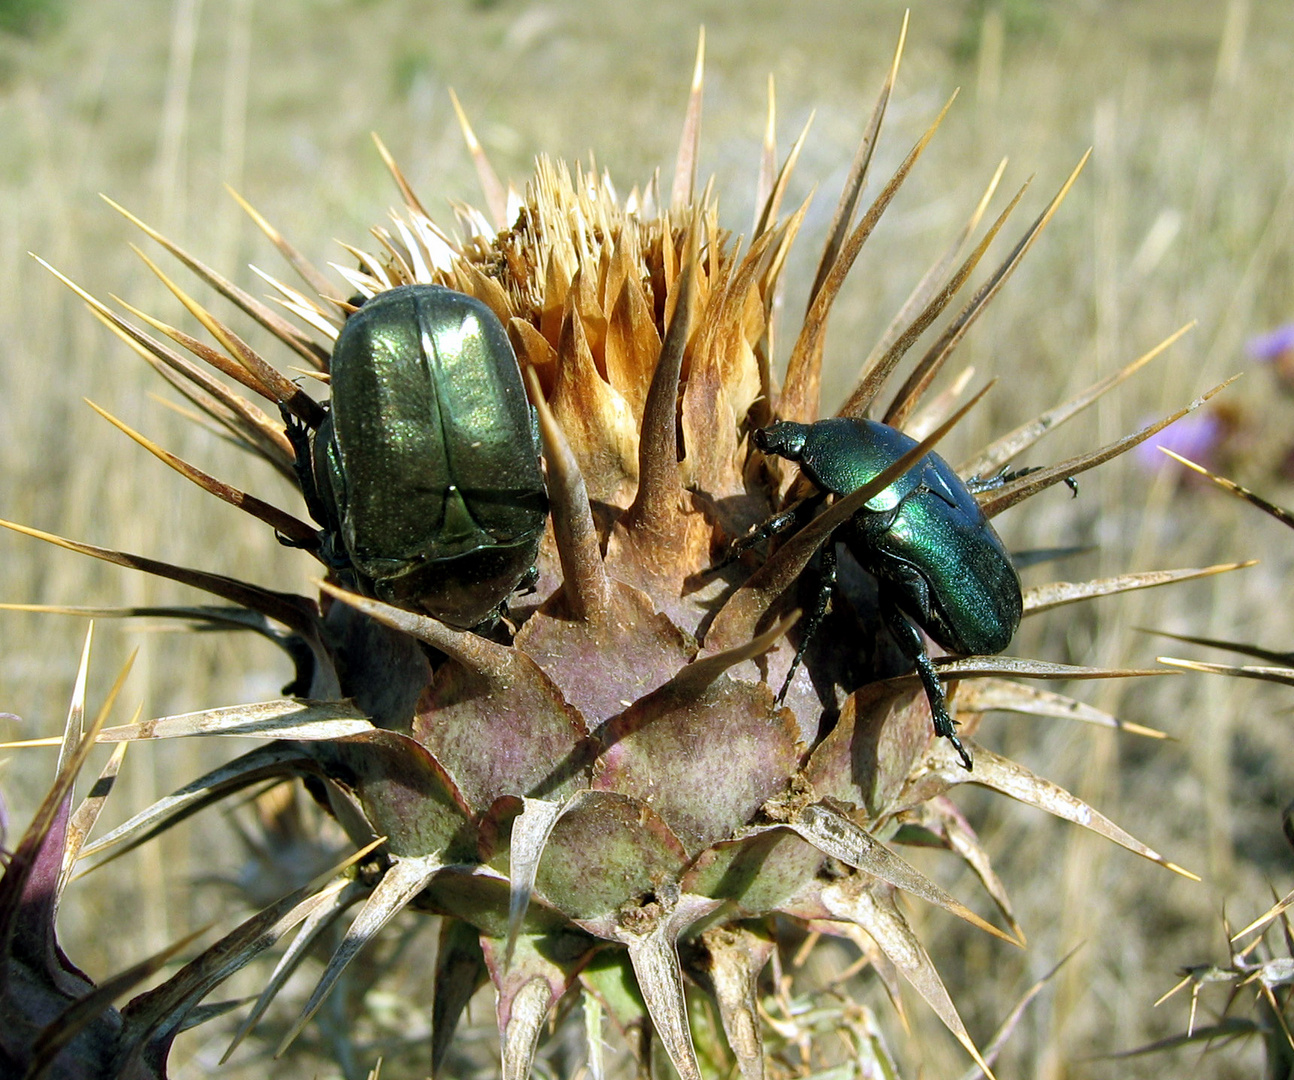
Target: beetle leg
[303,464]
[908,639]
[977,484]
[827,584]
[1006,474]
[774,526]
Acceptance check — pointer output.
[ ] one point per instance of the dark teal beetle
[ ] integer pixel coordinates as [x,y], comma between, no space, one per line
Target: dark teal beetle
[936,559]
[425,474]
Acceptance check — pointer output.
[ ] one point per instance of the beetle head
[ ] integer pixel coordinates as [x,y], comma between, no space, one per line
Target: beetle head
[785,438]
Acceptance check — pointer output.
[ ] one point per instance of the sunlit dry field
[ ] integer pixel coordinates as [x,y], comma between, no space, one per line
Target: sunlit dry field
[1184,213]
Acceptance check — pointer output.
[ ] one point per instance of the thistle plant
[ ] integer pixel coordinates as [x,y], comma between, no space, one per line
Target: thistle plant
[603,795]
[1256,971]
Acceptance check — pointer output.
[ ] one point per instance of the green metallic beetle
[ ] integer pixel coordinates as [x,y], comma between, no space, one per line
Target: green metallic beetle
[425,474]
[936,559]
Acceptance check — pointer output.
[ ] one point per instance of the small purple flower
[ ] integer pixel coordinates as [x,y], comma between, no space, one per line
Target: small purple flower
[1197,436]
[1273,345]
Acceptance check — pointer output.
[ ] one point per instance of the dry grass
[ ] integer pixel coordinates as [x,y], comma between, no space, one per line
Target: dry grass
[1185,213]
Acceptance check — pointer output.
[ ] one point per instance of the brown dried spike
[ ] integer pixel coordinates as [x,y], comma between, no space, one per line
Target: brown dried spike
[585,586]
[995,502]
[304,268]
[684,191]
[771,289]
[773,203]
[327,320]
[534,353]
[399,262]
[1282,675]
[1002,450]
[914,388]
[216,417]
[485,289]
[957,329]
[406,192]
[1243,648]
[857,173]
[212,357]
[293,528]
[557,283]
[799,399]
[596,420]
[295,612]
[724,381]
[925,288]
[655,504]
[1054,594]
[1271,509]
[496,199]
[767,162]
[290,335]
[242,418]
[593,321]
[277,386]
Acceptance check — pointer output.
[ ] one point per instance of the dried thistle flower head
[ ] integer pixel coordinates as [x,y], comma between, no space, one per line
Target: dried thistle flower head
[604,798]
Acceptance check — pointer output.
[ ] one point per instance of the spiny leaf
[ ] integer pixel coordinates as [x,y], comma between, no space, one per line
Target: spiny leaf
[279,327]
[1045,597]
[858,170]
[403,880]
[735,957]
[279,719]
[1010,778]
[460,972]
[530,831]
[87,814]
[263,763]
[654,956]
[331,903]
[154,1019]
[1279,513]
[280,521]
[296,612]
[994,502]
[1282,675]
[876,912]
[988,694]
[836,835]
[59,1033]
[1002,450]
[800,393]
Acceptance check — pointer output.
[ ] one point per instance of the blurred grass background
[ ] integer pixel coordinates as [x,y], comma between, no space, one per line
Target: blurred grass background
[1185,212]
